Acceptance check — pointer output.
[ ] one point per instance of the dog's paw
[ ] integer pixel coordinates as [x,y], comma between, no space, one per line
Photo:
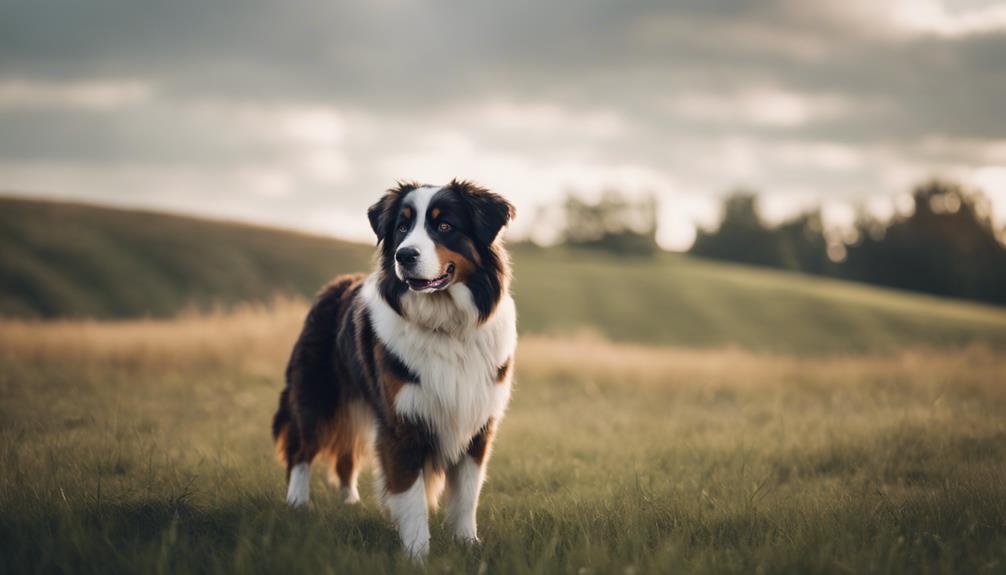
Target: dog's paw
[417,551]
[468,539]
[350,496]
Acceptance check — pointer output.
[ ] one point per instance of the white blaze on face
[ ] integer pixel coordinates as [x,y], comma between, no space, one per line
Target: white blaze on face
[428,266]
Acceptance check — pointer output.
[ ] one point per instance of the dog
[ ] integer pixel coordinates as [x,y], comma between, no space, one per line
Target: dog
[410,366]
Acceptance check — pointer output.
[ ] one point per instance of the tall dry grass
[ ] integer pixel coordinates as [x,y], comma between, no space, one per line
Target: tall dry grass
[253,337]
[258,338]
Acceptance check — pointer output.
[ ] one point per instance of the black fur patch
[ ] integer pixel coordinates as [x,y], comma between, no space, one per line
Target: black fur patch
[462,237]
[396,367]
[479,443]
[384,216]
[489,211]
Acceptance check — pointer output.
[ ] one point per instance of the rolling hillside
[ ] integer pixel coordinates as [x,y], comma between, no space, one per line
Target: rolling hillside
[68,260]
[71,260]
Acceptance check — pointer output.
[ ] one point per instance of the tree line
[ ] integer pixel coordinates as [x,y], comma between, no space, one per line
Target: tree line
[946,245]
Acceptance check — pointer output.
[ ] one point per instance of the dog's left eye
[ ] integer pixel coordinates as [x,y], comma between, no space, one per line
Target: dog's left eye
[444,226]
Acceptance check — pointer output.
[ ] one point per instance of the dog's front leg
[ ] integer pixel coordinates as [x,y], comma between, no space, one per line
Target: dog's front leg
[402,459]
[464,484]
[409,512]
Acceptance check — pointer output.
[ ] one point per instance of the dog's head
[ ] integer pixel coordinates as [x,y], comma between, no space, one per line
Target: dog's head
[435,237]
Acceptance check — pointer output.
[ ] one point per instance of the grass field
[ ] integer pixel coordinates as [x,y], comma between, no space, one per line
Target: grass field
[143,446]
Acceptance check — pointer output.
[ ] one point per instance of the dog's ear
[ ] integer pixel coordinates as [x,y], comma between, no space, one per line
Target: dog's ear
[379,215]
[490,212]
[382,213]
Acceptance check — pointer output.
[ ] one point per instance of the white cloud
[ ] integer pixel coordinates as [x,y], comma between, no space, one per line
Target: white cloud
[543,117]
[269,182]
[304,142]
[681,216]
[935,17]
[964,150]
[905,18]
[312,125]
[776,206]
[824,155]
[323,165]
[771,107]
[992,180]
[94,94]
[881,207]
[338,222]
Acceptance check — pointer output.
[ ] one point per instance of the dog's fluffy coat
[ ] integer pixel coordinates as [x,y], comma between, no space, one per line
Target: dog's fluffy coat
[412,363]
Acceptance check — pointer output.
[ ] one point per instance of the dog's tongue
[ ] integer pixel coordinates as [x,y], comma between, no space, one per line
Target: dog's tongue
[419,284]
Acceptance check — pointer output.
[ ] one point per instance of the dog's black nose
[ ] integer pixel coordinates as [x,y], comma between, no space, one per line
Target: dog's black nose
[407,256]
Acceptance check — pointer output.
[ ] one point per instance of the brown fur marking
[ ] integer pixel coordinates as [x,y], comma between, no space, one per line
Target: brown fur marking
[463,267]
[391,383]
[402,452]
[344,467]
[434,480]
[503,370]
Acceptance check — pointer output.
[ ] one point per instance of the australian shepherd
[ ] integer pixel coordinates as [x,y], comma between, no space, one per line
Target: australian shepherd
[411,363]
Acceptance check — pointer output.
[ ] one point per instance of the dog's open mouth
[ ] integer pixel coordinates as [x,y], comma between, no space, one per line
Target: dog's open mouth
[419,284]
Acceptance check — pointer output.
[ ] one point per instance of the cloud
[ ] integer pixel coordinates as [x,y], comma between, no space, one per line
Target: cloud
[301,112]
[758,106]
[992,179]
[95,94]
[933,16]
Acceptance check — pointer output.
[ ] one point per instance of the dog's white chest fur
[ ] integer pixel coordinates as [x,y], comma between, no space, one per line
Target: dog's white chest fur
[457,364]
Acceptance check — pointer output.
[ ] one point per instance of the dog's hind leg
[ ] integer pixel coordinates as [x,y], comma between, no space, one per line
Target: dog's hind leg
[351,442]
[301,444]
[290,446]
[299,454]
[347,469]
[298,491]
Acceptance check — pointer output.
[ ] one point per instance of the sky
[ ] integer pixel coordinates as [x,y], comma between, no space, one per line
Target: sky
[300,114]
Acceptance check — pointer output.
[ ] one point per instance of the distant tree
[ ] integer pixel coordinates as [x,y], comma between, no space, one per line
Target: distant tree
[741,236]
[802,245]
[616,223]
[947,246]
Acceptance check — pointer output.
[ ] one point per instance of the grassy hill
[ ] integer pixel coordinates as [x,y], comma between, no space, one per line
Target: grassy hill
[680,300]
[62,260]
[69,260]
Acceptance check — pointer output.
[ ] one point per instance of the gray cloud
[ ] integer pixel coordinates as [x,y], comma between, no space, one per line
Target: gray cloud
[822,100]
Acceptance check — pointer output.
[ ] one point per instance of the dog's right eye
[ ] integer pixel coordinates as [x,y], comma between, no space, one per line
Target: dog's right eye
[403,228]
